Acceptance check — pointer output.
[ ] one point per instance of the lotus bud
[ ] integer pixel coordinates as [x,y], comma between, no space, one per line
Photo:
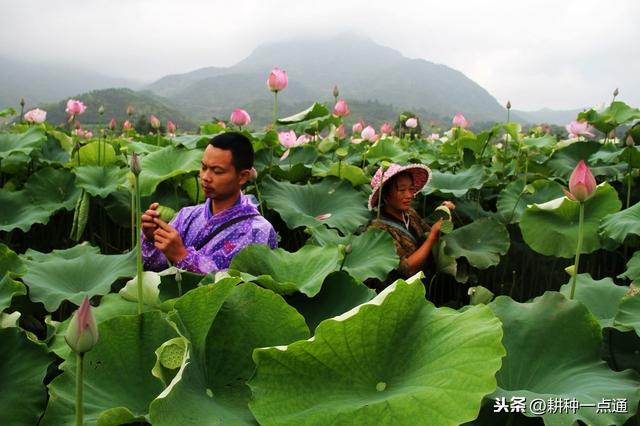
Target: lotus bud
[130,110]
[336,92]
[101,110]
[154,122]
[113,124]
[253,174]
[240,117]
[341,109]
[411,123]
[369,134]
[340,132]
[357,127]
[386,128]
[135,164]
[629,141]
[171,127]
[348,248]
[21,102]
[126,125]
[82,334]
[460,121]
[277,80]
[615,92]
[508,104]
[582,184]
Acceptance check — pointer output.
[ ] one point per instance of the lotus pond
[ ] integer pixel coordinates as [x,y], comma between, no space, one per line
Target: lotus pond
[493,334]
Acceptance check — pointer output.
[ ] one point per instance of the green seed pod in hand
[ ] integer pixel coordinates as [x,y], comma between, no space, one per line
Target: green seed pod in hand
[166,213]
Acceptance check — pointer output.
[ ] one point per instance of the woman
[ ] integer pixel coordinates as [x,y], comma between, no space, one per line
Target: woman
[413,237]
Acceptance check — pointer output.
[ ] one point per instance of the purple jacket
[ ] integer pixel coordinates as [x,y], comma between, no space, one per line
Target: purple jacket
[195,223]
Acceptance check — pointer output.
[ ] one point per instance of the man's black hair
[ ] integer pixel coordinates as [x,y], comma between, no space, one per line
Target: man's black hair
[240,147]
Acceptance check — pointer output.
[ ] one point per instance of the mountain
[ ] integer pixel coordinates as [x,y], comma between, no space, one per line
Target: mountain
[38,83]
[115,102]
[363,70]
[548,116]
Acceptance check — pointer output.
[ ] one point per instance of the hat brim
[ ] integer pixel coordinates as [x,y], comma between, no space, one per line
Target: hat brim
[421,175]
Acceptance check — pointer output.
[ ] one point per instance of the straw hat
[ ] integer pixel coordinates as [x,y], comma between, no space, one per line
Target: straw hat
[421,176]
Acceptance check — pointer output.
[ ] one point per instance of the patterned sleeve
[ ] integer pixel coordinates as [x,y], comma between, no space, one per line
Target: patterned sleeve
[403,266]
[200,263]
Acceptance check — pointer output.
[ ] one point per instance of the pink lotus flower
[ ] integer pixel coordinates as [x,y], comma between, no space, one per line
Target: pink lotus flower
[75,107]
[222,124]
[288,139]
[411,123]
[460,121]
[324,216]
[82,333]
[240,117]
[35,116]
[582,184]
[277,80]
[154,122]
[113,124]
[340,133]
[88,134]
[303,139]
[386,128]
[126,125]
[579,128]
[341,109]
[433,136]
[369,134]
[357,128]
[171,127]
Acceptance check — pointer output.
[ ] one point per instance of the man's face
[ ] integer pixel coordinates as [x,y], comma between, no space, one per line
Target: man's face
[219,178]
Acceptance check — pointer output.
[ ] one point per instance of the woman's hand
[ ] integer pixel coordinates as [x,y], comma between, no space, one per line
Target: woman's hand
[435,231]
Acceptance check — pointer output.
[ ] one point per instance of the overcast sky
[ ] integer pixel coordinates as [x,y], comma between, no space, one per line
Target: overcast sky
[560,54]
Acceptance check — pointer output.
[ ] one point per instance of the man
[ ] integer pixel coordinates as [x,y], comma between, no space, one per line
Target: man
[204,238]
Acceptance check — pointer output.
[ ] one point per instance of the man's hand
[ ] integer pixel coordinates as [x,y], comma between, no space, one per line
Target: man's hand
[168,241]
[148,224]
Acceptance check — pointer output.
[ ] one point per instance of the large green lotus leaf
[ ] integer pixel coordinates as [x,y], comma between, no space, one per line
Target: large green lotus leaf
[21,142]
[191,141]
[47,191]
[342,170]
[611,154]
[94,154]
[633,267]
[10,261]
[332,202]
[9,288]
[618,226]
[305,155]
[481,242]
[73,273]
[373,253]
[601,297]
[564,161]
[386,149]
[138,147]
[513,200]
[111,306]
[394,360]
[100,181]
[314,118]
[340,292]
[223,332]
[285,272]
[456,184]
[553,351]
[542,142]
[552,228]
[118,384]
[52,152]
[628,316]
[167,163]
[616,114]
[23,367]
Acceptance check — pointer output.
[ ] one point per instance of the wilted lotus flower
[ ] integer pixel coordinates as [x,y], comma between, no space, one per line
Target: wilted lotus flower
[154,122]
[369,134]
[460,121]
[288,139]
[277,80]
[82,333]
[35,116]
[75,107]
[357,128]
[386,128]
[135,164]
[579,128]
[341,109]
[411,123]
[113,124]
[240,117]
[340,133]
[582,184]
[171,127]
[126,125]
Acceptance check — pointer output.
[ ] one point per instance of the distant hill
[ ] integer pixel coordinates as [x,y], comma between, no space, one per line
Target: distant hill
[115,102]
[362,70]
[549,116]
[39,83]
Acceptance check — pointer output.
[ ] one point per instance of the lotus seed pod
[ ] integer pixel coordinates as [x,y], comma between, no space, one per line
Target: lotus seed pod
[166,213]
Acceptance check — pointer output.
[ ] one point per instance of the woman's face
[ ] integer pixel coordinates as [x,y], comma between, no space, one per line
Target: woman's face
[400,195]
